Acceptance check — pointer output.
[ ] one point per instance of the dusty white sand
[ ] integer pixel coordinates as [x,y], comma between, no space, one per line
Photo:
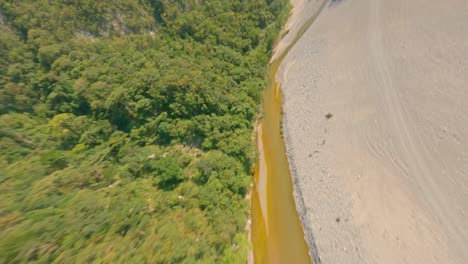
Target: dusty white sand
[301,11]
[385,179]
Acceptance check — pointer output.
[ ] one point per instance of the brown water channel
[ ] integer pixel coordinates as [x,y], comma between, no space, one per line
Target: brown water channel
[277,233]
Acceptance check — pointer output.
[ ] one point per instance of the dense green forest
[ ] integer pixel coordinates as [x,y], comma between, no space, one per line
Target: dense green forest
[126,128]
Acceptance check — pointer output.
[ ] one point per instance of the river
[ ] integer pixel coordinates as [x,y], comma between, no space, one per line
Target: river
[277,232]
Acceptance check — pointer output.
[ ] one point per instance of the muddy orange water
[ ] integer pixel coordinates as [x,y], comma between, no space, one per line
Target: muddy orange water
[277,233]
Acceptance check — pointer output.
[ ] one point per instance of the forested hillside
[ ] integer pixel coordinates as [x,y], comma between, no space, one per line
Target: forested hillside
[126,128]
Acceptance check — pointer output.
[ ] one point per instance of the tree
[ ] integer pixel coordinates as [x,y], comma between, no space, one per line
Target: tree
[126,128]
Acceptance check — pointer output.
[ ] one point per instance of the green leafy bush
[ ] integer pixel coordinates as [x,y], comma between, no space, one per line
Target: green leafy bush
[126,127]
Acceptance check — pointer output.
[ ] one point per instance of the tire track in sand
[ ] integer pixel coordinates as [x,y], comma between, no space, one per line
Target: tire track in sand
[407,142]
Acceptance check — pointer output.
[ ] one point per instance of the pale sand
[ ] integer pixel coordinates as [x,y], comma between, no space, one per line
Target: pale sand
[301,11]
[385,180]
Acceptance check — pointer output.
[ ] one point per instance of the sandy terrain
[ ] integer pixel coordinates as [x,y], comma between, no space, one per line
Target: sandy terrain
[385,179]
[301,12]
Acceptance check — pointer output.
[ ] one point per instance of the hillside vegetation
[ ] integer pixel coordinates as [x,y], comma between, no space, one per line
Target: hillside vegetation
[126,128]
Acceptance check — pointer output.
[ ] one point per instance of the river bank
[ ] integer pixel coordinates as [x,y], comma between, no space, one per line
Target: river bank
[277,206]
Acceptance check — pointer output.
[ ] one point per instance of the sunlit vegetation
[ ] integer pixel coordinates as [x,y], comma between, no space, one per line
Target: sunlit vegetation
[126,128]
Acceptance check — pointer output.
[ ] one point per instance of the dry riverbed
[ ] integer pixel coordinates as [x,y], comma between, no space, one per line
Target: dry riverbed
[375,104]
